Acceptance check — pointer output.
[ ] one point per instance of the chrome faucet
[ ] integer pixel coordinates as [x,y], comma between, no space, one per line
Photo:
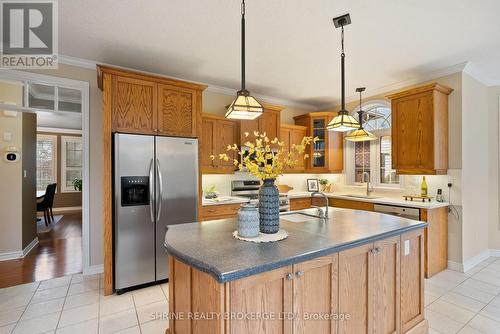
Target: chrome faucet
[322,214]
[366,178]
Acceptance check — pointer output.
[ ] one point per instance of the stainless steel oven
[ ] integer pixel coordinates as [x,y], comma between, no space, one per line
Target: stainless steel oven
[250,189]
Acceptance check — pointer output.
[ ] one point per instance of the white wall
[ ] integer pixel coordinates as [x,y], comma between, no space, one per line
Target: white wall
[475,167]
[493,176]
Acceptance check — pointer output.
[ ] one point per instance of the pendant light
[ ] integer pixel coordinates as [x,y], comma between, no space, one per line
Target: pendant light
[360,134]
[244,105]
[343,121]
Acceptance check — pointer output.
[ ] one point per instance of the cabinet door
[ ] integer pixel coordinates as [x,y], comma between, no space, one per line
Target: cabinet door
[355,281]
[299,204]
[296,137]
[248,126]
[269,123]
[207,144]
[412,132]
[386,286]
[134,106]
[177,111]
[269,292]
[225,135]
[315,293]
[412,279]
[319,150]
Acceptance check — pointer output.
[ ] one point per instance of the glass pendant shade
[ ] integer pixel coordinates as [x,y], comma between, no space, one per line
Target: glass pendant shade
[360,135]
[343,122]
[244,106]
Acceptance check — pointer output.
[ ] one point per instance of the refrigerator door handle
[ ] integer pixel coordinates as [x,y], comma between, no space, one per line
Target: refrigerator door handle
[151,191]
[159,197]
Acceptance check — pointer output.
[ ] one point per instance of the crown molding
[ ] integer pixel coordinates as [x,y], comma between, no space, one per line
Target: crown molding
[458,68]
[91,64]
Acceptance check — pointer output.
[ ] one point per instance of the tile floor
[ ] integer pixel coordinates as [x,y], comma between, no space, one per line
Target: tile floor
[455,303]
[465,303]
[76,305]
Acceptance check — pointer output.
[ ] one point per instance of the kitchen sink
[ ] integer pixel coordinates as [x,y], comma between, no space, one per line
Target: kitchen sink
[361,196]
[300,217]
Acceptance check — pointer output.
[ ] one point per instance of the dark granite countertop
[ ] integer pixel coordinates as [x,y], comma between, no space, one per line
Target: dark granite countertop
[210,246]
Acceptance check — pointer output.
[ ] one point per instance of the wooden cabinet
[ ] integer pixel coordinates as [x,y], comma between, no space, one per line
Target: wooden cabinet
[436,240]
[270,292]
[369,278]
[216,134]
[300,203]
[412,282]
[133,105]
[149,104]
[293,135]
[221,211]
[420,130]
[268,122]
[327,154]
[348,204]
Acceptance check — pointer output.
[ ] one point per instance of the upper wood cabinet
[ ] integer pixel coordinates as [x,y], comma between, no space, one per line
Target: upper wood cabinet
[216,134]
[327,154]
[268,122]
[149,104]
[292,135]
[420,130]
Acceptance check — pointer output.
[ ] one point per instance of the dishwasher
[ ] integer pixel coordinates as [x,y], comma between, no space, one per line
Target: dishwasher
[410,213]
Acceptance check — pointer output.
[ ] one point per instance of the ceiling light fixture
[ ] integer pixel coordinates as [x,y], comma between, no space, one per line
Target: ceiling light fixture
[343,121]
[360,134]
[244,105]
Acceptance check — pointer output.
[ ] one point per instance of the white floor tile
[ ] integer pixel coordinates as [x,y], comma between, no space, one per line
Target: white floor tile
[485,325]
[84,286]
[470,330]
[152,311]
[79,314]
[48,294]
[442,323]
[86,327]
[20,289]
[491,311]
[37,325]
[487,277]
[450,276]
[148,295]
[15,301]
[474,293]
[154,327]
[35,310]
[481,286]
[78,278]
[429,298]
[10,316]
[436,289]
[130,330]
[117,321]
[55,282]
[82,299]
[165,289]
[114,304]
[451,311]
[463,301]
[7,329]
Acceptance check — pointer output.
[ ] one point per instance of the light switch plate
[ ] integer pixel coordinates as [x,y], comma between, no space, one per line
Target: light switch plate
[407,247]
[7,136]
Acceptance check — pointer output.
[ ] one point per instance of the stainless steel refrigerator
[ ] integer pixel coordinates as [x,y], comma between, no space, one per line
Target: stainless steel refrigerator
[155,185]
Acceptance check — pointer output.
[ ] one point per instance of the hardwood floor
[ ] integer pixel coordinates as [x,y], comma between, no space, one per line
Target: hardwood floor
[58,253]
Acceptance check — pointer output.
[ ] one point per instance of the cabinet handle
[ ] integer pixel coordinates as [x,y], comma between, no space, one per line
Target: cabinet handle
[377,249]
[299,273]
[373,251]
[212,210]
[289,276]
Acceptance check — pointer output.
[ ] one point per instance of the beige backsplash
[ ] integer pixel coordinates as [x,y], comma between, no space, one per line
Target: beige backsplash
[222,183]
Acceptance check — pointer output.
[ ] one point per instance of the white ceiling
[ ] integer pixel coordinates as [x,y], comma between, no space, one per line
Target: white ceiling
[292,47]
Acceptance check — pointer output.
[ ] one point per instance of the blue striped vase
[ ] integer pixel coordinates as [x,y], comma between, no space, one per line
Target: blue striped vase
[269,207]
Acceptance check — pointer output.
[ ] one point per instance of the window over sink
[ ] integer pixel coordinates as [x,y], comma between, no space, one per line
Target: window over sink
[372,157]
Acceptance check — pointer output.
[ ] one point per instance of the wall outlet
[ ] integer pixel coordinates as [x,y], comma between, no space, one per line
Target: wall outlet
[407,247]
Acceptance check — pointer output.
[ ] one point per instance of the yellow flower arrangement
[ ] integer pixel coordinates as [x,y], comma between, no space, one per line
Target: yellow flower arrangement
[266,158]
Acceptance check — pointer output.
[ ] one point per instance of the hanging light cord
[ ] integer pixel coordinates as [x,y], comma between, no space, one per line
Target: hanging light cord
[342,65]
[360,113]
[243,45]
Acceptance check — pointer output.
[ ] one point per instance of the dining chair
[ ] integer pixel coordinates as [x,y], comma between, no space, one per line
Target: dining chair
[47,202]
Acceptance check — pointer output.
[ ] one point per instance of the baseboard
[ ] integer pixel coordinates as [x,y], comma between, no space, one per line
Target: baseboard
[31,245]
[19,254]
[474,261]
[97,269]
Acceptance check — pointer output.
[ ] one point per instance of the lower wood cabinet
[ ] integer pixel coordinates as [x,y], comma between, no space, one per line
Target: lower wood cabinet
[348,204]
[300,203]
[373,288]
[436,240]
[222,211]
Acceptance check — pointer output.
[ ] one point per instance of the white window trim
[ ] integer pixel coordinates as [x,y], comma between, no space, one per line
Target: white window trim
[374,155]
[64,140]
[52,138]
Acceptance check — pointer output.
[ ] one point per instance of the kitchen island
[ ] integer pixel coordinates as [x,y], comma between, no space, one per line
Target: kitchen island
[358,272]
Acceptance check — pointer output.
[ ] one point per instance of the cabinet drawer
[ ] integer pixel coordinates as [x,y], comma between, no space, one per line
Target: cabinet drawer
[348,204]
[219,211]
[300,203]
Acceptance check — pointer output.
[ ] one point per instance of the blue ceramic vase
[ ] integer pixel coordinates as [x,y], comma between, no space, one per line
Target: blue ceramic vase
[269,207]
[248,221]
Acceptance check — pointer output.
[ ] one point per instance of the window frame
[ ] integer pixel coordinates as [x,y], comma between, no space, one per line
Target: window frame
[64,140]
[52,138]
[375,149]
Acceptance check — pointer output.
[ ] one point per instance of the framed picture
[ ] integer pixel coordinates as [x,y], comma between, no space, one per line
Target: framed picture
[312,185]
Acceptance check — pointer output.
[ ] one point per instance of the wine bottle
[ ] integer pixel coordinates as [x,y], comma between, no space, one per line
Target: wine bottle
[423,188]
